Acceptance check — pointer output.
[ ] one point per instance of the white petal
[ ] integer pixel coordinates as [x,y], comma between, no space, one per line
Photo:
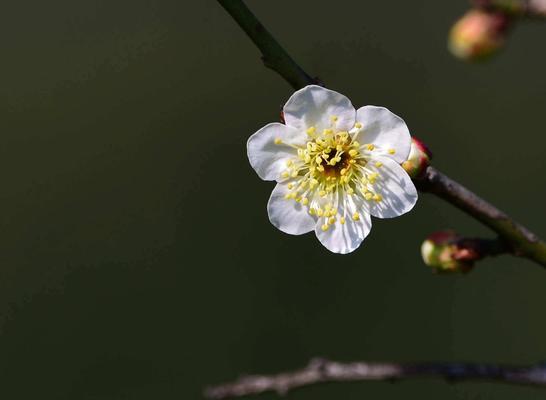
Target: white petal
[395,187]
[385,130]
[315,106]
[345,238]
[288,215]
[267,158]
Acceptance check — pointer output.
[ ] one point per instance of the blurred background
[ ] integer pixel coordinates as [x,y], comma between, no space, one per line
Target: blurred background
[137,258]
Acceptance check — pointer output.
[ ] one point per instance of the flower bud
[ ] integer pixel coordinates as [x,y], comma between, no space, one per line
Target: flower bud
[479,34]
[446,252]
[418,158]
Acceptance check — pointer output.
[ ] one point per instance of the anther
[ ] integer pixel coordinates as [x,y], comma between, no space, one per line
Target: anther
[278,141]
[356,216]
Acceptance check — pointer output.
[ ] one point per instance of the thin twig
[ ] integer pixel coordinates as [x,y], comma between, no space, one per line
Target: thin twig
[522,242]
[273,55]
[524,8]
[322,371]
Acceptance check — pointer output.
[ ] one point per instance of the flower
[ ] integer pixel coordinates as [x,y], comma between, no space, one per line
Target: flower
[334,166]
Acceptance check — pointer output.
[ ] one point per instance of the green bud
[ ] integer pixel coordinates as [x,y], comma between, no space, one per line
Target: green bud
[447,252]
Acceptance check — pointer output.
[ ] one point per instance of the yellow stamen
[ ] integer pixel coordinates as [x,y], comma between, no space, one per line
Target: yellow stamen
[278,141]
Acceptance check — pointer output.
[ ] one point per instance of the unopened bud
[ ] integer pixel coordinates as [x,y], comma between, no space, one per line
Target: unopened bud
[418,158]
[447,252]
[479,34]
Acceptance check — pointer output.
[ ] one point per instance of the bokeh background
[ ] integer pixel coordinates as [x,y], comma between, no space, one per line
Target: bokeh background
[137,260]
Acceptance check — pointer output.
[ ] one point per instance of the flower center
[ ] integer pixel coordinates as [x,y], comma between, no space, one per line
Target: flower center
[331,166]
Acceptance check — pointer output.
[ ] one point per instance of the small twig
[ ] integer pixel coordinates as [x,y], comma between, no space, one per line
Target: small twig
[273,55]
[524,8]
[322,371]
[520,240]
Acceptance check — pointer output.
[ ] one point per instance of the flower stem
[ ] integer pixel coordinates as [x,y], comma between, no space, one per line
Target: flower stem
[521,241]
[273,55]
[323,371]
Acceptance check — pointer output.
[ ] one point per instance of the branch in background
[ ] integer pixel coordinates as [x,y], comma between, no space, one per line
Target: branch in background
[520,241]
[273,55]
[526,8]
[322,371]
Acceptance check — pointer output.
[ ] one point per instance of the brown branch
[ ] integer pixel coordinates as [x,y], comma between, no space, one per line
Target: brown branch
[273,55]
[519,240]
[322,371]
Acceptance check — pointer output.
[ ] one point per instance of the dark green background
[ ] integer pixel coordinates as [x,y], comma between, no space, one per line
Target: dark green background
[137,260]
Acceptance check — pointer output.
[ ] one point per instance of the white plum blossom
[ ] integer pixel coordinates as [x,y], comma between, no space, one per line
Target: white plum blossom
[334,167]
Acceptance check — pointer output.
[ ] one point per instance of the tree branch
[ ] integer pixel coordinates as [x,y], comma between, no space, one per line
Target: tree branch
[322,371]
[521,241]
[273,55]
